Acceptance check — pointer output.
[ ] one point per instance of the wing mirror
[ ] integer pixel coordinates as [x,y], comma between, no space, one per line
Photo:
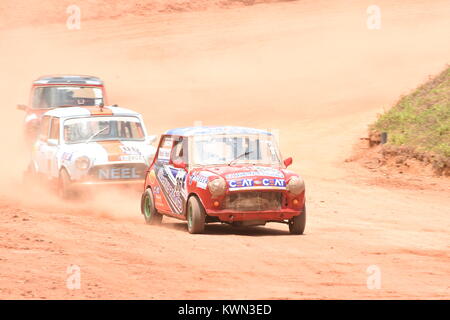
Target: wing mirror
[180,164]
[21,107]
[151,139]
[287,162]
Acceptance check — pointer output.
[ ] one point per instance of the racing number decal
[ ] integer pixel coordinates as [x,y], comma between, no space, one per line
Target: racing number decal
[180,179]
[172,180]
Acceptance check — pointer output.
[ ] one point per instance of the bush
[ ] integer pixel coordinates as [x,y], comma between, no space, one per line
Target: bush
[421,119]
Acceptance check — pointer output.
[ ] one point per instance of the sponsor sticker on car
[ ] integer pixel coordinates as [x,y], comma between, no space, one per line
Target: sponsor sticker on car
[118,173]
[256,171]
[256,183]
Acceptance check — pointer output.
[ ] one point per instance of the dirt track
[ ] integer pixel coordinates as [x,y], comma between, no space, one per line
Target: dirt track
[309,68]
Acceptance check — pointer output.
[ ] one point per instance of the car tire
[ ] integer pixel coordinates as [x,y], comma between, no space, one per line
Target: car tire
[297,223]
[195,216]
[29,176]
[151,215]
[64,182]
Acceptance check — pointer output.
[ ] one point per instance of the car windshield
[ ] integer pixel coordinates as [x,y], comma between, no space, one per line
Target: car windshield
[56,96]
[79,130]
[235,149]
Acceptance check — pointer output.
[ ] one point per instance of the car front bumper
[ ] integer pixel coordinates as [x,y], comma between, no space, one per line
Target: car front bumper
[232,216]
[128,184]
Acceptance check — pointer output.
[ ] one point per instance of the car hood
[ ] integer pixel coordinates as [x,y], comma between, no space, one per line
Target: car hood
[248,177]
[101,152]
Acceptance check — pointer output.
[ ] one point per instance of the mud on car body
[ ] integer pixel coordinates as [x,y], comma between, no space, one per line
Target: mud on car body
[79,147]
[231,175]
[53,91]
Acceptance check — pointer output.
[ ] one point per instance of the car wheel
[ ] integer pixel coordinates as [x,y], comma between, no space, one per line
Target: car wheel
[195,216]
[64,183]
[297,223]
[151,215]
[30,177]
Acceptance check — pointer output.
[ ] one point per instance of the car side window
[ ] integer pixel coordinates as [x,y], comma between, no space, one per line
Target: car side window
[179,151]
[165,149]
[45,126]
[54,130]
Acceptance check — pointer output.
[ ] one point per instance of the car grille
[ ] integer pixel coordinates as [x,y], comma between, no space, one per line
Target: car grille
[253,201]
[126,171]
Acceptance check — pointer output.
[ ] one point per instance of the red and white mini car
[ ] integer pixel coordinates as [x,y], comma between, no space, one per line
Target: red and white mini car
[49,92]
[88,147]
[222,174]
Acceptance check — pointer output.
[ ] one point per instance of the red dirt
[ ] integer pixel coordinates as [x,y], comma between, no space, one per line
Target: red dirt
[309,68]
[394,171]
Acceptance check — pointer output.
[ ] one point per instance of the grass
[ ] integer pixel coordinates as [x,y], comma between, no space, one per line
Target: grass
[421,120]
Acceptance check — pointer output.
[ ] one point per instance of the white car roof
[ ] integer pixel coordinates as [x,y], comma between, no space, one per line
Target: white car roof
[68,80]
[70,112]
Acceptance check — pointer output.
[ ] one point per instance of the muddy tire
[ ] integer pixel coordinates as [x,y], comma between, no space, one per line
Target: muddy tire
[30,177]
[195,216]
[64,183]
[297,223]
[151,215]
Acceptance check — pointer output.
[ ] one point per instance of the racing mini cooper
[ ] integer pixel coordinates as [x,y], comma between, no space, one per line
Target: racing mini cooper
[48,92]
[79,147]
[231,175]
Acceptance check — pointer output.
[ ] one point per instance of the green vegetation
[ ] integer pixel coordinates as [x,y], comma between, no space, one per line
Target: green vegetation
[421,120]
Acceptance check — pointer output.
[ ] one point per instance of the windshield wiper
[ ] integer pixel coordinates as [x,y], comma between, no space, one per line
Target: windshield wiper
[86,98]
[96,134]
[246,153]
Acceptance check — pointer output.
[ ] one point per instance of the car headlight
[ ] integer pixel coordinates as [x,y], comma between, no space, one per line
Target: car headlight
[83,163]
[217,187]
[296,185]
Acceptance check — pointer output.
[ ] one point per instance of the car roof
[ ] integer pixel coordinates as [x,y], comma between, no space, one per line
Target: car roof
[206,130]
[68,80]
[72,112]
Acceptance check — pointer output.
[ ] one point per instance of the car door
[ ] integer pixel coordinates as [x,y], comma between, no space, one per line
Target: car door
[172,180]
[41,145]
[179,154]
[51,148]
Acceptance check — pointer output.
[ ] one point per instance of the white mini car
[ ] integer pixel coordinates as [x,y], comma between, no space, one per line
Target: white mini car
[91,146]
